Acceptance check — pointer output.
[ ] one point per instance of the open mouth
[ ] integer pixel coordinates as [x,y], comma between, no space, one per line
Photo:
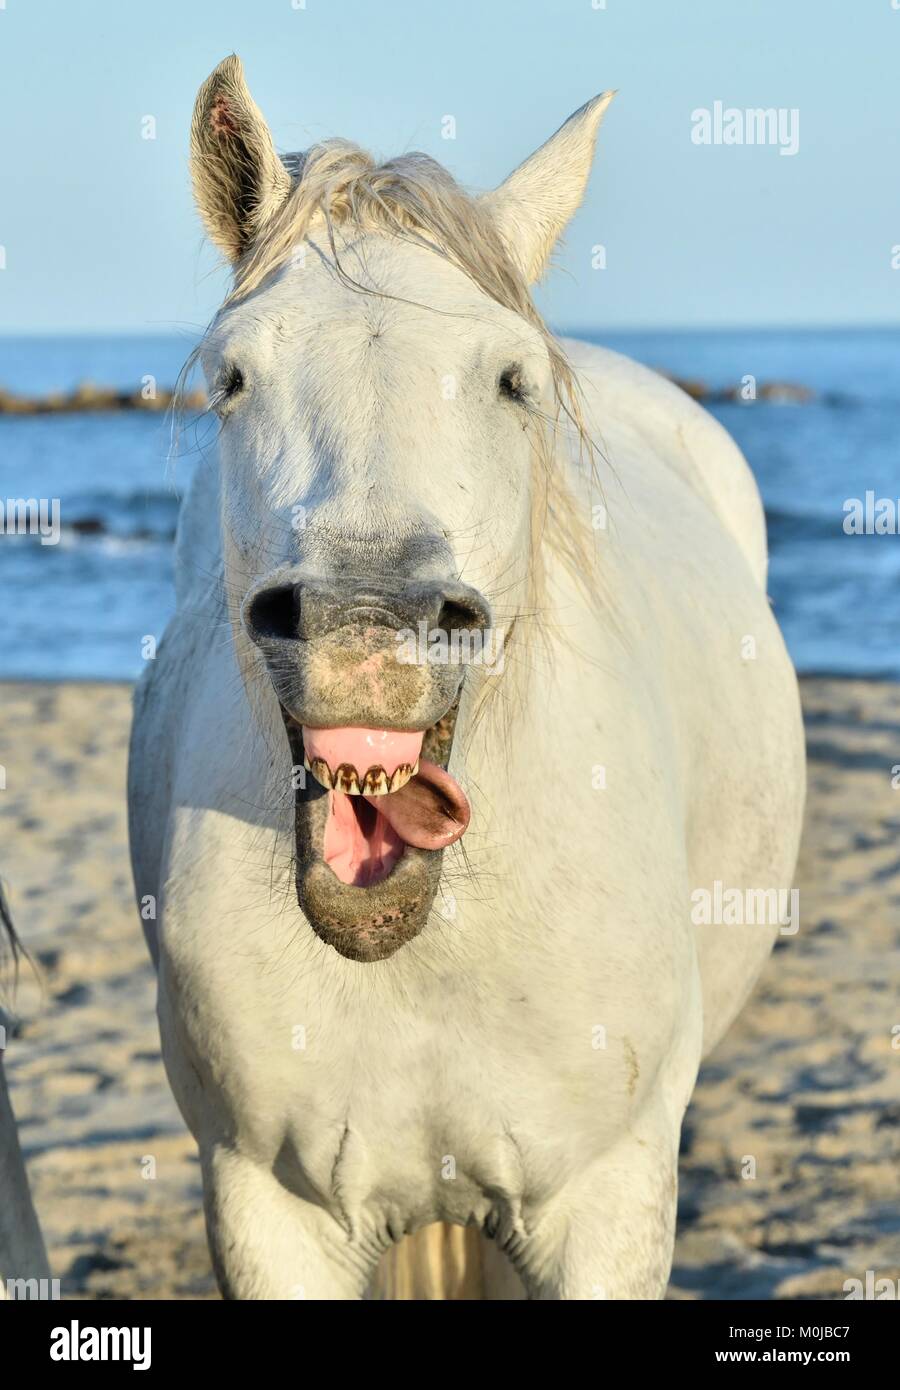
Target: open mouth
[372,815]
[383,797]
[373,799]
[373,724]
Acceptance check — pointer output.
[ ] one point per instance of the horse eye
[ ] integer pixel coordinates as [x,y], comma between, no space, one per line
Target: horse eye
[229,383]
[511,385]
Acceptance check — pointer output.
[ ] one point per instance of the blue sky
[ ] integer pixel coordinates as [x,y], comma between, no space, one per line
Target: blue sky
[99,231]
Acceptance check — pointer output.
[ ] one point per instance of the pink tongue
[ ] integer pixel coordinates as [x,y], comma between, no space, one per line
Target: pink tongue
[360,846]
[366,835]
[430,812]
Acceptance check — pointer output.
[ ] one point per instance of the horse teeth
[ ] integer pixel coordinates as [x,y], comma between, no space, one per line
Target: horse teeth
[346,779]
[322,772]
[401,776]
[375,782]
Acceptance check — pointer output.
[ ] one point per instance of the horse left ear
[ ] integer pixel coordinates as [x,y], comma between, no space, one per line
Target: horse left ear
[239,181]
[532,207]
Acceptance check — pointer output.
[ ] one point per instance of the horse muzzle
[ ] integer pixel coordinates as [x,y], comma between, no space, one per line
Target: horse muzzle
[370,715]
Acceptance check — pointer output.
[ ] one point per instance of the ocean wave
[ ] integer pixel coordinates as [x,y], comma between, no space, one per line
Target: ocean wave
[786,527]
[134,516]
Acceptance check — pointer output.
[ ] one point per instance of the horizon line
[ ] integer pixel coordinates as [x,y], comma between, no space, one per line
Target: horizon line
[566,330]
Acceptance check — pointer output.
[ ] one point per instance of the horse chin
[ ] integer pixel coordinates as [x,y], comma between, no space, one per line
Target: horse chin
[363,923]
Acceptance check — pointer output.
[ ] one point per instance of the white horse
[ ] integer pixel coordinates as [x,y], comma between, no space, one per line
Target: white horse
[370,1023]
[23,1260]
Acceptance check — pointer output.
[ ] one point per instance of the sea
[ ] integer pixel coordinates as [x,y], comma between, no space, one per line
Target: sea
[79,609]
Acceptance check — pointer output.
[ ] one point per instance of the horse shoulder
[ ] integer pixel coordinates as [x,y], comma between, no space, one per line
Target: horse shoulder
[163,690]
[678,431]
[198,540]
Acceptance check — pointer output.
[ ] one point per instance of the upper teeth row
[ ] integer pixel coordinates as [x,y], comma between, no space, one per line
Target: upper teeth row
[346,779]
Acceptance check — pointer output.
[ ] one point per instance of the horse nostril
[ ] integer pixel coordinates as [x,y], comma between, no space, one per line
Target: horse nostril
[464,615]
[275,613]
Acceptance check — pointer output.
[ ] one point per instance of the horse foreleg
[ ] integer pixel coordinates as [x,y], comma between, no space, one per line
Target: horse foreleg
[267,1243]
[610,1233]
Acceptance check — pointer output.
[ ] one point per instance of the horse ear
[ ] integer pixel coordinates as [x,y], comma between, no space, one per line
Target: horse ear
[239,181]
[531,208]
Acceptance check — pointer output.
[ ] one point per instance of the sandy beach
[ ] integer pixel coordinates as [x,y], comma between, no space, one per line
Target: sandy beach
[807,1084]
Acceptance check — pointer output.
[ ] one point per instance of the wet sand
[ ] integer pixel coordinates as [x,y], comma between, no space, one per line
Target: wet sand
[807,1083]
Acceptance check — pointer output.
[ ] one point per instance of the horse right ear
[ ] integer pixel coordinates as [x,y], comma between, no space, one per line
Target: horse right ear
[239,181]
[531,209]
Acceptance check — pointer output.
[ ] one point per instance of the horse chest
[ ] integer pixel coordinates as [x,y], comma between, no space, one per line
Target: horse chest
[412,1129]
